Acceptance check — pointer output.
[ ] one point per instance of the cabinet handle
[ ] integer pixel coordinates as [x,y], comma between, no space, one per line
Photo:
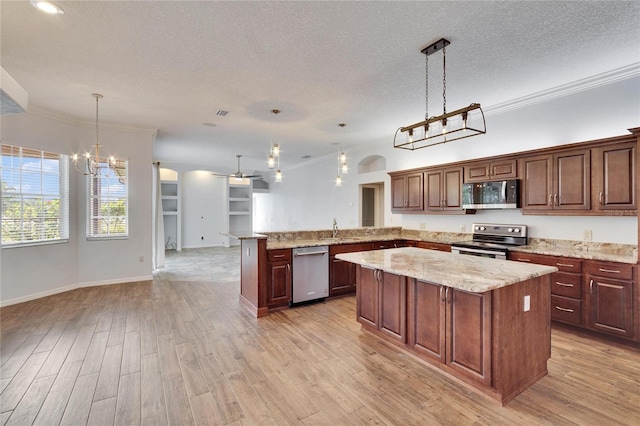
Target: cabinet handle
[488,171]
[591,286]
[288,267]
[444,202]
[601,199]
[555,197]
[447,295]
[564,309]
[611,271]
[278,256]
[522,259]
[551,199]
[443,296]
[563,284]
[568,265]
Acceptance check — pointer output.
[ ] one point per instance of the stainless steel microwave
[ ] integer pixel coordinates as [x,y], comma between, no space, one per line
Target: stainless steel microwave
[504,194]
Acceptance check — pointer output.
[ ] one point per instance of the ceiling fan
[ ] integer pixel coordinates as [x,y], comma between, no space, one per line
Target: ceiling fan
[238,175]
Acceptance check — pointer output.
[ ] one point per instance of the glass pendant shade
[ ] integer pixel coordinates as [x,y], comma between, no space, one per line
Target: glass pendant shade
[271,162]
[278,176]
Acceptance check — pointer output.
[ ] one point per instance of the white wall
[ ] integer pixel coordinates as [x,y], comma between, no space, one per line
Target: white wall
[308,199]
[204,213]
[63,266]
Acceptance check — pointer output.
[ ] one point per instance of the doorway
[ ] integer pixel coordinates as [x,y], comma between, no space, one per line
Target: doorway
[372,204]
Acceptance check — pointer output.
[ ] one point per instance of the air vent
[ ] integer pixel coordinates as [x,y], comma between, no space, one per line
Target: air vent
[304,157]
[222,113]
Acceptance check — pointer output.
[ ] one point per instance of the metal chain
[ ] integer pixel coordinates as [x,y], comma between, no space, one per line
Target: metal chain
[444,79]
[426,92]
[97,99]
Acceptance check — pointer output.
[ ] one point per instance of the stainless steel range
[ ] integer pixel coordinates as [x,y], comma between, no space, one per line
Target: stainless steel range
[492,240]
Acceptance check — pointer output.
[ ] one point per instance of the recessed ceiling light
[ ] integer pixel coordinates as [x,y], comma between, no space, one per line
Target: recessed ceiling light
[209,124]
[47,7]
[222,113]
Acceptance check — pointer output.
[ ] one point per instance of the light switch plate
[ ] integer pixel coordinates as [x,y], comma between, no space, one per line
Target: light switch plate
[527,303]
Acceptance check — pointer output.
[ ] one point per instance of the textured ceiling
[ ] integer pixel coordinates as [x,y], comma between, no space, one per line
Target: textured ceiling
[171,66]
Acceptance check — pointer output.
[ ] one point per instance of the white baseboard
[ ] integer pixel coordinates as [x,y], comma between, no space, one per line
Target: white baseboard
[57,290]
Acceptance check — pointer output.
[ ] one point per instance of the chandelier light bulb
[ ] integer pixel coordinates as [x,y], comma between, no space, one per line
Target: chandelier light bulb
[278,176]
[338,180]
[271,162]
[345,168]
[276,150]
[444,125]
[343,157]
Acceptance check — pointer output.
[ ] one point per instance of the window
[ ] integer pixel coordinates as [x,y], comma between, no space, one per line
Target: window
[108,201]
[35,196]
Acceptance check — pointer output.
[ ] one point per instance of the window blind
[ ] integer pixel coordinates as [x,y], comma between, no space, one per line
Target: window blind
[35,196]
[108,201]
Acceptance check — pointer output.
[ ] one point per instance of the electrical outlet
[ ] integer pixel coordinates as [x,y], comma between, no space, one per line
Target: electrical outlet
[527,303]
[141,259]
[463,228]
[587,235]
[423,225]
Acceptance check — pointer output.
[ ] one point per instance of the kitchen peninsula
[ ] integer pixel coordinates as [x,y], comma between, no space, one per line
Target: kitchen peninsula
[484,321]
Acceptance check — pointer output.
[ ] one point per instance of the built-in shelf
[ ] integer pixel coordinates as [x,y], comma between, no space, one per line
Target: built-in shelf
[171,211]
[240,207]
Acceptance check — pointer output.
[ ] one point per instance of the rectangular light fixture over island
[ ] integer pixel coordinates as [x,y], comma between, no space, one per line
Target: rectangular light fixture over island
[459,124]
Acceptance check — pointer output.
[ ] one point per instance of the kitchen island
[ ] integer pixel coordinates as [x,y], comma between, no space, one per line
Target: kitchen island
[484,321]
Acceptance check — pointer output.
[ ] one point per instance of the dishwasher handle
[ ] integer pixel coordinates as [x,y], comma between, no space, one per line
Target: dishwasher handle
[311,253]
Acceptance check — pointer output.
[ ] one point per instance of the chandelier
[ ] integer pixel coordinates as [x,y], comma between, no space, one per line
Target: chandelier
[274,151]
[93,164]
[450,126]
[343,168]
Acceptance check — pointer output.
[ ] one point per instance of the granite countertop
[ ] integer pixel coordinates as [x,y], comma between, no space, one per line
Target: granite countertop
[467,273]
[245,235]
[622,253]
[328,241]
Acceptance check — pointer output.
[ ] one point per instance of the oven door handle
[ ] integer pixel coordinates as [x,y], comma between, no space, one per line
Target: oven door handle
[461,250]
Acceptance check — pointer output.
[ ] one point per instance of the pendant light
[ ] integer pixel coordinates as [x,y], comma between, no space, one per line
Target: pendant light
[93,164]
[343,168]
[459,124]
[274,151]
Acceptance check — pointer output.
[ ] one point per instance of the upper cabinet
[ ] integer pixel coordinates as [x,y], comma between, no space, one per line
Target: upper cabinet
[613,175]
[406,192]
[483,171]
[560,181]
[443,189]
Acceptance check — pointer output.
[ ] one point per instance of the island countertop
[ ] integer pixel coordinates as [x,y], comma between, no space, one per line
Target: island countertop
[467,273]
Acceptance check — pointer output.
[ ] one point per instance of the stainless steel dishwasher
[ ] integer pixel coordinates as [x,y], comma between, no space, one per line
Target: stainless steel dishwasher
[310,274]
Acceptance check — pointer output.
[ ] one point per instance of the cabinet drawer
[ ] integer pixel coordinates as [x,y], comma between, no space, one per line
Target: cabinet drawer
[433,246]
[564,264]
[279,255]
[567,285]
[348,248]
[620,271]
[565,309]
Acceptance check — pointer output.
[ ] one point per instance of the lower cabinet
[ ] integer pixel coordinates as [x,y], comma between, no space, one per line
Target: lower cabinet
[439,328]
[382,302]
[433,246]
[342,275]
[278,278]
[610,295]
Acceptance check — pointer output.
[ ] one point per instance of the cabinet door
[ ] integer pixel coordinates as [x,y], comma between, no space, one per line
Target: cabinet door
[537,191]
[614,177]
[469,334]
[427,319]
[343,277]
[279,291]
[504,169]
[452,189]
[414,191]
[393,305]
[611,306]
[367,296]
[398,192]
[572,178]
[433,198]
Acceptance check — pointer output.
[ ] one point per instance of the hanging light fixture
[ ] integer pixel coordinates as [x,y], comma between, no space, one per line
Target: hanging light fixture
[274,150]
[93,163]
[450,126]
[343,168]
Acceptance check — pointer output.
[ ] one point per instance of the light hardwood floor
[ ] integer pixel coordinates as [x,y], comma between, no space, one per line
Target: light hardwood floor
[185,352]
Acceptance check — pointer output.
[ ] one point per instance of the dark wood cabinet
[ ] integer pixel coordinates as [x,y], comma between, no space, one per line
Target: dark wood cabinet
[342,275]
[443,189]
[426,319]
[610,298]
[379,245]
[279,278]
[469,348]
[557,182]
[490,170]
[614,178]
[407,192]
[566,285]
[433,246]
[382,302]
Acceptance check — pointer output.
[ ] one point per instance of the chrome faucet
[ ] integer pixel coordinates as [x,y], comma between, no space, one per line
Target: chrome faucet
[335,228]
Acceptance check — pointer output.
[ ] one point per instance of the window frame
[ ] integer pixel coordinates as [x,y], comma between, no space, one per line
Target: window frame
[90,222]
[63,217]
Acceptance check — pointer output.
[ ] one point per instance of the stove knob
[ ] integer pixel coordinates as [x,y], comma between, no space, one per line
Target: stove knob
[510,229]
[477,228]
[482,228]
[517,230]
